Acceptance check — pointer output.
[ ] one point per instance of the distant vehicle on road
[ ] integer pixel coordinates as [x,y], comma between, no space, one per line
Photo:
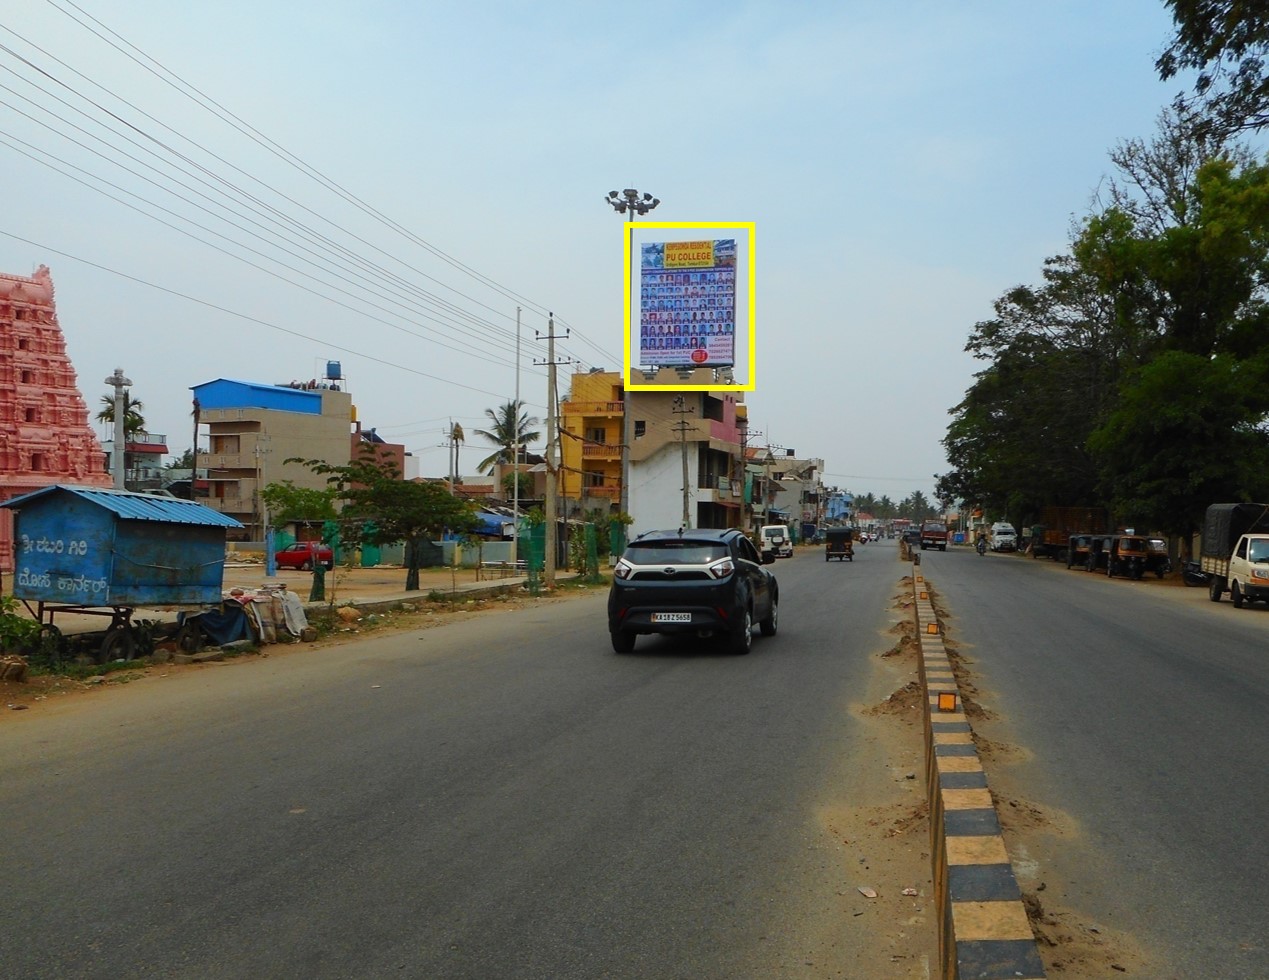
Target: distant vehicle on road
[304,554]
[1003,537]
[838,544]
[775,537]
[933,535]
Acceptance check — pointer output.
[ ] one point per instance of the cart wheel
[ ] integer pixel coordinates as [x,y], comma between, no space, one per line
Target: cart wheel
[118,645]
[189,638]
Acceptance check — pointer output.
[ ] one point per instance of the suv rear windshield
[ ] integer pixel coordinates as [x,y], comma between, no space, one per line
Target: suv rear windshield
[675,552]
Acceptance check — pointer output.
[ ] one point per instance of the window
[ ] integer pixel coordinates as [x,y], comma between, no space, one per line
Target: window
[597,435]
[640,427]
[24,343]
[31,414]
[28,377]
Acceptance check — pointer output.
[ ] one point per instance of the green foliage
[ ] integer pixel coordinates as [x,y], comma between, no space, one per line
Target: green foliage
[288,503]
[1133,376]
[1185,433]
[133,420]
[1226,43]
[381,508]
[17,632]
[512,426]
[183,461]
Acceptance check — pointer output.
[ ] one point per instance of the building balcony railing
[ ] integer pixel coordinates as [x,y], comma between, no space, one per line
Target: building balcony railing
[611,492]
[144,442]
[231,505]
[227,461]
[594,449]
[593,408]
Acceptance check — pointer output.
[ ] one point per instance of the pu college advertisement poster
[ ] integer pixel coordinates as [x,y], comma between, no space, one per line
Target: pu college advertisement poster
[687,304]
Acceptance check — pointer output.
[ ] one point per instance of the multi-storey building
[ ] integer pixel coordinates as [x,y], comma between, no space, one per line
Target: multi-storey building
[143,454]
[699,430]
[255,430]
[590,443]
[45,436]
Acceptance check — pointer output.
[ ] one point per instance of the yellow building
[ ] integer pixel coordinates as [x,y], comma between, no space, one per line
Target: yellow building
[590,442]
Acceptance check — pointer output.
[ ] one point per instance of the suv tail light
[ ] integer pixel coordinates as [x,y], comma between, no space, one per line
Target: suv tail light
[721,569]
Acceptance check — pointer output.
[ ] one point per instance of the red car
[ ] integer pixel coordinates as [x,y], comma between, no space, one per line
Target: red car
[302,555]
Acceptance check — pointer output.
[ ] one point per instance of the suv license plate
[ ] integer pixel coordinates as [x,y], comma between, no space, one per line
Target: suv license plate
[671,617]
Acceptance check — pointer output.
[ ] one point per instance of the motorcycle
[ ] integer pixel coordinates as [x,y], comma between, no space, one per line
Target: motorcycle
[981,547]
[1193,574]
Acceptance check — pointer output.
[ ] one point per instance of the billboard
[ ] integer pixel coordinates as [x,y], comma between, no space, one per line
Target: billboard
[687,303]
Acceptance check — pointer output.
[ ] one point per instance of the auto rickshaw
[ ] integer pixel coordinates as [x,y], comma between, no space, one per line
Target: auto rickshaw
[1157,558]
[1128,553]
[1078,550]
[839,543]
[1099,546]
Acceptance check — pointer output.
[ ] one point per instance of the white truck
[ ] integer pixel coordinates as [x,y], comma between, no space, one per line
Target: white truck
[1236,552]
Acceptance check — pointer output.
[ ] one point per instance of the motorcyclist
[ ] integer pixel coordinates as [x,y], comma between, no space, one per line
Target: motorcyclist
[981,544]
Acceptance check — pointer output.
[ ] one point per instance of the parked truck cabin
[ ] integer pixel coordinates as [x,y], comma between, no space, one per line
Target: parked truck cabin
[1235,552]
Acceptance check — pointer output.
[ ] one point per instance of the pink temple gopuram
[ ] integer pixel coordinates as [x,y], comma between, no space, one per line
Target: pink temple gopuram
[45,436]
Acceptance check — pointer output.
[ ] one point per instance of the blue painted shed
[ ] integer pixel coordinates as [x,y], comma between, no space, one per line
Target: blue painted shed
[95,547]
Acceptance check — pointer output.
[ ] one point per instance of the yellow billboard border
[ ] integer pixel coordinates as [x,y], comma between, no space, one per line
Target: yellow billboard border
[629,290]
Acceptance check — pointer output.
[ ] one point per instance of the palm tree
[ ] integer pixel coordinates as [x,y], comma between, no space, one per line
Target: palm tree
[511,427]
[455,440]
[133,420]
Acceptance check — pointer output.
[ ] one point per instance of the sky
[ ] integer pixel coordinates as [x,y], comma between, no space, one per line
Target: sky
[403,175]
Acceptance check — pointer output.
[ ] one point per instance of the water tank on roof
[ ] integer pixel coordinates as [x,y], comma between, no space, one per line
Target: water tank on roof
[334,371]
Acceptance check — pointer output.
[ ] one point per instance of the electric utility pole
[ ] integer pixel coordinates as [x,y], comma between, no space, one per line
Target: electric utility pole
[548,571]
[681,426]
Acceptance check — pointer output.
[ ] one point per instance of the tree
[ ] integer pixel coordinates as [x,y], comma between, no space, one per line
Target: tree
[1226,43]
[512,427]
[1071,406]
[1187,431]
[381,508]
[133,420]
[455,441]
[183,461]
[288,503]
[509,481]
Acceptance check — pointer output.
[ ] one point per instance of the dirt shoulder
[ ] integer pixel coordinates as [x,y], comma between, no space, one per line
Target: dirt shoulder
[439,600]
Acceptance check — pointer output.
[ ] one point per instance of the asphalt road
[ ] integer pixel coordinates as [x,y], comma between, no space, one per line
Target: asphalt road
[1140,713]
[502,797]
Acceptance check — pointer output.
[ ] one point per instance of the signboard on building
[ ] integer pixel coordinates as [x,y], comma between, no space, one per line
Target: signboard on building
[687,303]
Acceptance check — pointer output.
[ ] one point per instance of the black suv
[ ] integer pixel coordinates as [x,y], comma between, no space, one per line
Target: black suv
[704,581]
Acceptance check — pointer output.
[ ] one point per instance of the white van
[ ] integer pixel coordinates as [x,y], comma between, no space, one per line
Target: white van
[775,537]
[1003,537]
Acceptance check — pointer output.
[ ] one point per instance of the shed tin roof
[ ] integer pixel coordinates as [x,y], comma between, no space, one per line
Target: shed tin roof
[134,506]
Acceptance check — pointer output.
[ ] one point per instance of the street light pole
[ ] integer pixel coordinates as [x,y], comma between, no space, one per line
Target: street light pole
[629,202]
